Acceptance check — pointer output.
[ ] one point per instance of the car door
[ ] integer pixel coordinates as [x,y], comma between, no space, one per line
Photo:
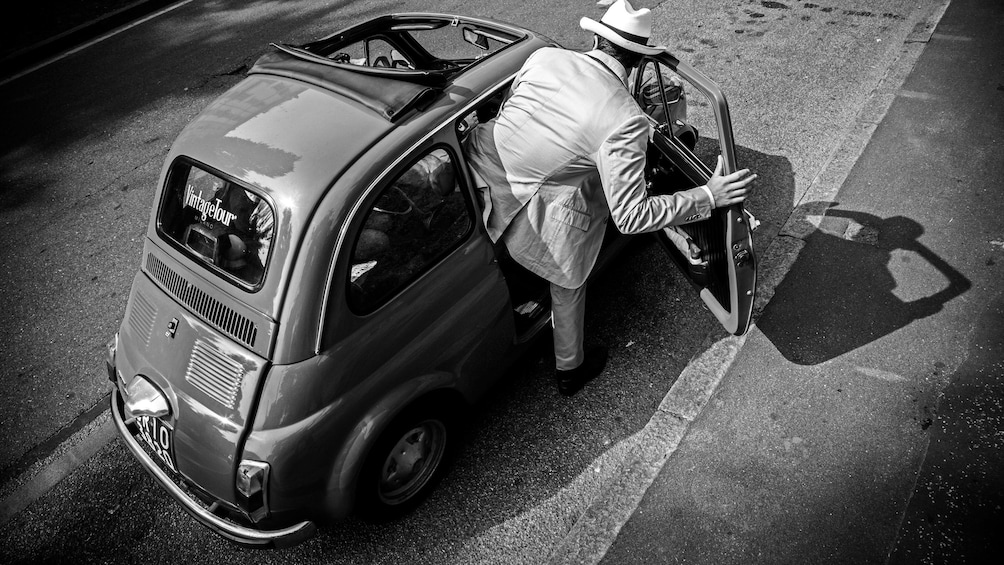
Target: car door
[691,123]
[424,283]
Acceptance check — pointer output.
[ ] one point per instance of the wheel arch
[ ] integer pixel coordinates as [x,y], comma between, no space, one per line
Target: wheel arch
[432,390]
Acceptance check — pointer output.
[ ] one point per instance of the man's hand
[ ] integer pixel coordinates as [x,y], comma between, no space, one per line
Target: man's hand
[729,189]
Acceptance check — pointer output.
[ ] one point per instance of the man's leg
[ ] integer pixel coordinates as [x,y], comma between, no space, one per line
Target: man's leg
[573,366]
[568,314]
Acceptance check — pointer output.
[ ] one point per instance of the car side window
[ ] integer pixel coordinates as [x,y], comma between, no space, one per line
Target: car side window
[414,222]
[680,109]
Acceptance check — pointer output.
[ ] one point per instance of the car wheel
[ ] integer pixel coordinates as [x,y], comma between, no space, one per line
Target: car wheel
[405,464]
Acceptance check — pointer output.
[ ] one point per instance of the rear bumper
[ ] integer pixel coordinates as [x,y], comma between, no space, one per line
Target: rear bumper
[240,534]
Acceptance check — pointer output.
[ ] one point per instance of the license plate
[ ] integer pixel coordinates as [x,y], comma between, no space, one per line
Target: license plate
[159,437]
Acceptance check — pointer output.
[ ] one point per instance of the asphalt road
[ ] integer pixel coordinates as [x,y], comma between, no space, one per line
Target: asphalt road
[77,167]
[44,29]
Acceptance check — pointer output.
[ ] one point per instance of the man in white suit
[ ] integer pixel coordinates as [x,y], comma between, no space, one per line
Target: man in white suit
[567,151]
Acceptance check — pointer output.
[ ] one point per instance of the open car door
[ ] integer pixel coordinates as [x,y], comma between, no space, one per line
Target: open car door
[691,129]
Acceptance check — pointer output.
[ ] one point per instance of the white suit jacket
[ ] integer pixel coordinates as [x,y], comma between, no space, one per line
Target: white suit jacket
[566,152]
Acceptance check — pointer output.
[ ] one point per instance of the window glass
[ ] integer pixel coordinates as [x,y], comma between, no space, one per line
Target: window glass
[382,54]
[373,53]
[680,109]
[423,45]
[414,222]
[222,224]
[448,43]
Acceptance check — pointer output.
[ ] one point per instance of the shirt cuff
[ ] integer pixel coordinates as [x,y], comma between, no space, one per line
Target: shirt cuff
[711,197]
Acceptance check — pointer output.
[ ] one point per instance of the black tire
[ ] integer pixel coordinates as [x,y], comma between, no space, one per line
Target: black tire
[406,463]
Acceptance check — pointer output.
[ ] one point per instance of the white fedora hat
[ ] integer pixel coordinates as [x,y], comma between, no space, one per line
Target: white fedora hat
[626,27]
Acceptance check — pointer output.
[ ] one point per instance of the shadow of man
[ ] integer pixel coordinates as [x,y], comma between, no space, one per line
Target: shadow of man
[859,278]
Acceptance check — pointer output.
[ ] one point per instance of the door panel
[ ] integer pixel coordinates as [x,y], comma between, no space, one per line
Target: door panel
[692,128]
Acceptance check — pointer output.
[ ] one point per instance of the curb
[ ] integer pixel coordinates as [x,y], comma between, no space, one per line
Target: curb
[52,444]
[599,525]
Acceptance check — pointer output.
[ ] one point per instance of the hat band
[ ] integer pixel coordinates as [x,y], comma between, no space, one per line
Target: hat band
[628,36]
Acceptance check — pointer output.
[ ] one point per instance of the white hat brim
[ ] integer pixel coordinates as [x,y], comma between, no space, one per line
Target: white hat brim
[602,30]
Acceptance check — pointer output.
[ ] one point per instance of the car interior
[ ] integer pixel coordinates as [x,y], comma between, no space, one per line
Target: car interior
[420,216]
[405,46]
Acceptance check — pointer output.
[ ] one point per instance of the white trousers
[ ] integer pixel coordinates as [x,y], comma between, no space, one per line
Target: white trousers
[568,307]
[568,316]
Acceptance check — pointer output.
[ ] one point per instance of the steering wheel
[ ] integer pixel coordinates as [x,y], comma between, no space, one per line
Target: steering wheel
[394,202]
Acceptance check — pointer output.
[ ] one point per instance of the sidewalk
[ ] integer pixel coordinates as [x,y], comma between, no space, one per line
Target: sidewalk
[861,421]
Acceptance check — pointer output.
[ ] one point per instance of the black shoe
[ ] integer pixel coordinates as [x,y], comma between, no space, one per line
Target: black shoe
[570,381]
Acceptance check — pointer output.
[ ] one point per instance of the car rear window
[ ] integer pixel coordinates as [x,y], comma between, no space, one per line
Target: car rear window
[222,224]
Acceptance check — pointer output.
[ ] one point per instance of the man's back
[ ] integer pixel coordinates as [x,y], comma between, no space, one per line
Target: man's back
[563,106]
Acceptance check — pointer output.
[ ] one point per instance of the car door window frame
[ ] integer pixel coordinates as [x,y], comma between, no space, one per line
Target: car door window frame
[736,315]
[718,102]
[409,211]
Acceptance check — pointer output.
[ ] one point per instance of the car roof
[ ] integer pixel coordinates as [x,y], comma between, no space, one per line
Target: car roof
[282,136]
[298,120]
[311,136]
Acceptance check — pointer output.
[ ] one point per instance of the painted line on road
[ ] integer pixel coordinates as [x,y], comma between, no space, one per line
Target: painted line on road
[94,41]
[589,539]
[917,95]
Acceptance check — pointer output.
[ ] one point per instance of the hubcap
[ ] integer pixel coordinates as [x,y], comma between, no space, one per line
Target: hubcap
[412,462]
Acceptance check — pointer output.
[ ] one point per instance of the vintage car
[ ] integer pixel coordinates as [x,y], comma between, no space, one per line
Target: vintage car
[318,301]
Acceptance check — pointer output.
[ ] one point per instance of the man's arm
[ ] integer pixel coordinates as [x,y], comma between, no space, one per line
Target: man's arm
[621,164]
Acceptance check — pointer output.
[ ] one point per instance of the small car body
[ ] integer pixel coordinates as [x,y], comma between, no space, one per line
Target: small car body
[318,301]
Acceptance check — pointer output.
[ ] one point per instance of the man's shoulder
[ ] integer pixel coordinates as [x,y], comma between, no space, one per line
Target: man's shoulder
[594,89]
[546,55]
[566,64]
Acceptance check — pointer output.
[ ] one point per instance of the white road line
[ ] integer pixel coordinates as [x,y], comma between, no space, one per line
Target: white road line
[94,41]
[917,95]
[880,374]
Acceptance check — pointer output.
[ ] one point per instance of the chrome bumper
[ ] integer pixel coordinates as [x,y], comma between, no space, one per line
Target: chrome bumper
[243,535]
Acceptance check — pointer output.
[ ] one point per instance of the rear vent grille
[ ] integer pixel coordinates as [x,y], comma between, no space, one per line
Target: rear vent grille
[213,310]
[142,317]
[215,374]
